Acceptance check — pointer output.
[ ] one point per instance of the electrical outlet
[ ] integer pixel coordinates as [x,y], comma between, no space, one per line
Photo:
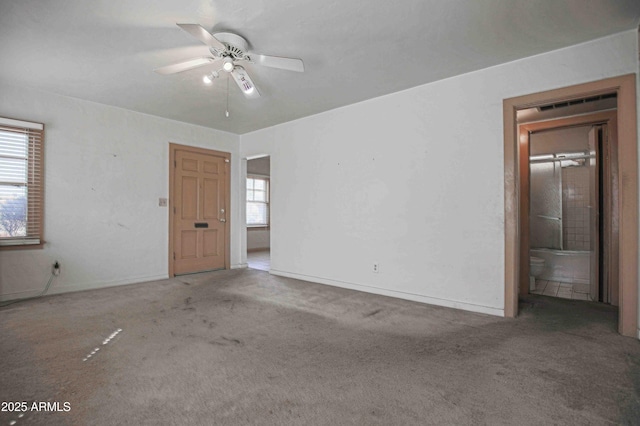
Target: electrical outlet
[56,268]
[162,202]
[376,268]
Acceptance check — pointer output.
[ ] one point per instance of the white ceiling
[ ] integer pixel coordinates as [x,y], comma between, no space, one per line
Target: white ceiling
[105,50]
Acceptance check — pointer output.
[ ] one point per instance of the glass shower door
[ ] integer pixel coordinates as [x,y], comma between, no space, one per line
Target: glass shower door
[545,211]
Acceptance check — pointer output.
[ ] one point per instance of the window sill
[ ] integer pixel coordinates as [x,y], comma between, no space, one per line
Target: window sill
[257,227]
[22,246]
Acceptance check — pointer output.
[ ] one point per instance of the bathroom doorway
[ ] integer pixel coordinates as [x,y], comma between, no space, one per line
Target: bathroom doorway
[572,194]
[516,187]
[258,213]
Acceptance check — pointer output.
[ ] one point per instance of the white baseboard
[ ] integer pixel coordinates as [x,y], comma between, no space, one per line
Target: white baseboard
[53,289]
[394,293]
[27,294]
[358,287]
[257,249]
[240,266]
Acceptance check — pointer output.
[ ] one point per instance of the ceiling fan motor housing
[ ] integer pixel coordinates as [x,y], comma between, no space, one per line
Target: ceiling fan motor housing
[237,46]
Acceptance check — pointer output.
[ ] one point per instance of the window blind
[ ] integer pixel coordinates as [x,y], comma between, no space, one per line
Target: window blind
[257,201]
[21,182]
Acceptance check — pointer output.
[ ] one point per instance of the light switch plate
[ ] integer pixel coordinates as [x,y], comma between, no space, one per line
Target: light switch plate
[162,202]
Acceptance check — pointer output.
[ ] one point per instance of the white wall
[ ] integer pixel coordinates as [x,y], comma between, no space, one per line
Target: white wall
[259,166]
[258,239]
[412,180]
[105,169]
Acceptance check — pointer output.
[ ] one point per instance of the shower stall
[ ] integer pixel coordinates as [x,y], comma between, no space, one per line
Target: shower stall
[564,206]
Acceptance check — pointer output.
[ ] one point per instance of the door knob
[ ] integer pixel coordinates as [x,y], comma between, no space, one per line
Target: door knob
[223,220]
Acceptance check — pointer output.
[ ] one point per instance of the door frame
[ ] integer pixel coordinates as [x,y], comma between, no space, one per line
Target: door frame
[173,147]
[627,162]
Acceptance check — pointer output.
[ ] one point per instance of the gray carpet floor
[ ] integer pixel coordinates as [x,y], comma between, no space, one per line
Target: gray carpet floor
[245,347]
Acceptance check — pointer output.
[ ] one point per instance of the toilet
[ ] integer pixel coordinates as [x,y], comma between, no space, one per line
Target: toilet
[536,267]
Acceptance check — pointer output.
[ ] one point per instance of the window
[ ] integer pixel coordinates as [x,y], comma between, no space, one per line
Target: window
[257,201]
[21,182]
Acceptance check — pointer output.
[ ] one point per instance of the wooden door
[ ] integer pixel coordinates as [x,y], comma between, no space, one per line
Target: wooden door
[200,210]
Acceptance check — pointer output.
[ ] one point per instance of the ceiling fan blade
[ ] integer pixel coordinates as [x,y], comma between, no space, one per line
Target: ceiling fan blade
[203,35]
[244,82]
[185,65]
[291,64]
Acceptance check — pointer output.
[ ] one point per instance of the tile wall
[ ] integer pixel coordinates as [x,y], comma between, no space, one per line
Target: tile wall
[575,210]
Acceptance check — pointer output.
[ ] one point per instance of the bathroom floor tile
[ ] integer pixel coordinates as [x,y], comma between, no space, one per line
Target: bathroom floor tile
[562,290]
[540,286]
[581,288]
[580,296]
[551,285]
[574,291]
[541,283]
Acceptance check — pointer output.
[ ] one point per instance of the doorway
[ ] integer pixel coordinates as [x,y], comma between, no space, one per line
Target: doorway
[199,195]
[570,195]
[516,212]
[258,213]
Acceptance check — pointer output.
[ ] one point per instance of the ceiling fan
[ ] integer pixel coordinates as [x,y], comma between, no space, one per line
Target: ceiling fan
[228,50]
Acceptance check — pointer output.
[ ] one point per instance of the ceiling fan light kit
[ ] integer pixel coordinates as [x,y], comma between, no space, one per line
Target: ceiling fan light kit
[227,51]
[227,64]
[208,79]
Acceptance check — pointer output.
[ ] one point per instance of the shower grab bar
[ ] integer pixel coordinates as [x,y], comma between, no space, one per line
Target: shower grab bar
[549,217]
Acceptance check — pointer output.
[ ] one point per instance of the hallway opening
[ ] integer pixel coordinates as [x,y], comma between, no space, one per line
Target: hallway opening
[258,212]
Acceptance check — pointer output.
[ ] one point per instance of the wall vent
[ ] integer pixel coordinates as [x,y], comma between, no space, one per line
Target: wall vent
[565,104]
